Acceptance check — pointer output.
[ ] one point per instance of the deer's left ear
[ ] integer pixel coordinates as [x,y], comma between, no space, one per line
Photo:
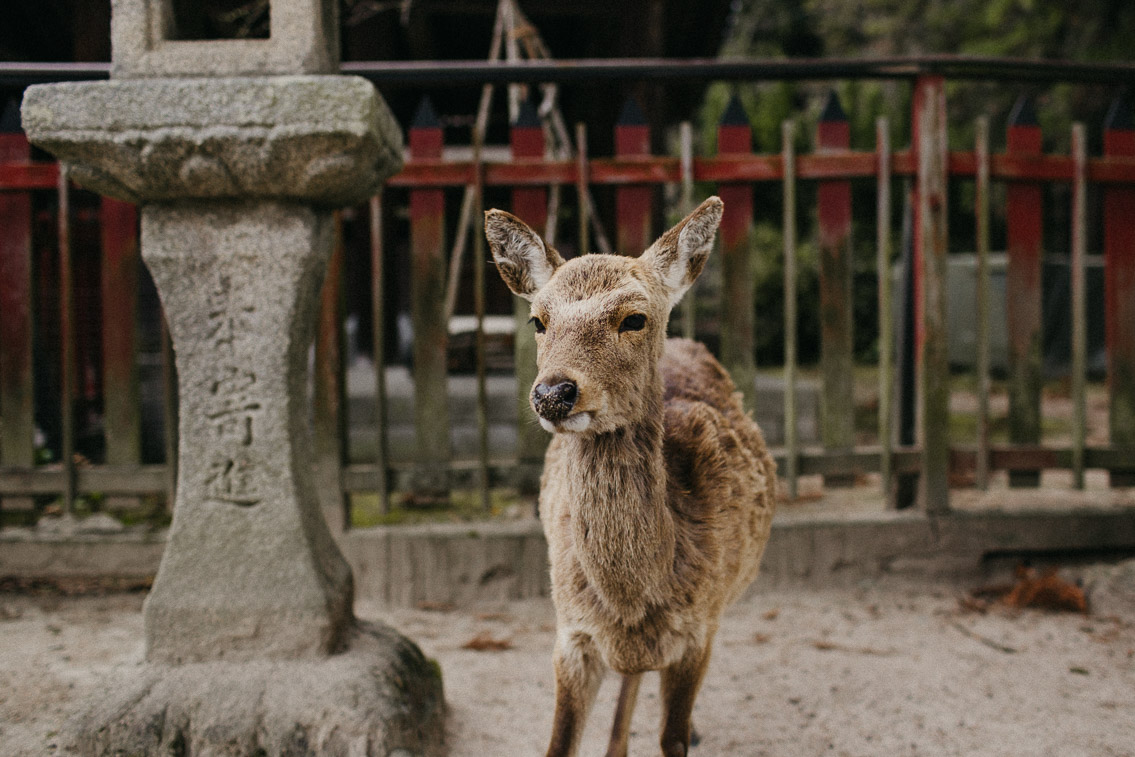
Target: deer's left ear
[679,255]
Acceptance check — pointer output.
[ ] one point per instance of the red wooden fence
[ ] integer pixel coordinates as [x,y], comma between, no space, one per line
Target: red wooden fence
[16,378]
[635,174]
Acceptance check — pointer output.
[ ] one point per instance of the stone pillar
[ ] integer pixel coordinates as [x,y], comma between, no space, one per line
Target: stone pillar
[250,569]
[238,155]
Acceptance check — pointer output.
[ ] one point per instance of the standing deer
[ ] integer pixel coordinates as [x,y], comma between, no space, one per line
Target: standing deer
[658,490]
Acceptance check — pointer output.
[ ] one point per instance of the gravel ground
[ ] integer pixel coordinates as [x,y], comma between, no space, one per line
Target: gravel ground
[886,668]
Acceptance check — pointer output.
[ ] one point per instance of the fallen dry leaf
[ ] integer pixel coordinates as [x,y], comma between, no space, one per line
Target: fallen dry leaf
[1046,591]
[1041,591]
[485,642]
[434,606]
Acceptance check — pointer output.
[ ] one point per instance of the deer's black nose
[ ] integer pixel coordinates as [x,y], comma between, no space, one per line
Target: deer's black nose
[554,402]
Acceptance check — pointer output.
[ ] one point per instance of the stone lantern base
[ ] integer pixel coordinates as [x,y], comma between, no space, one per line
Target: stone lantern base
[380,698]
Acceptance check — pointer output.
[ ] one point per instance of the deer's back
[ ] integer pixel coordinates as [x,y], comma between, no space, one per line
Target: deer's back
[722,479]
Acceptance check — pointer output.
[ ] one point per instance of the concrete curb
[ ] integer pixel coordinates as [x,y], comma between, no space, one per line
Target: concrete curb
[463,564]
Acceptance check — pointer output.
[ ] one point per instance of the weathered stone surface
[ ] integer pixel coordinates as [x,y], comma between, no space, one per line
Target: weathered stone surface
[146,42]
[377,698]
[328,140]
[251,570]
[251,609]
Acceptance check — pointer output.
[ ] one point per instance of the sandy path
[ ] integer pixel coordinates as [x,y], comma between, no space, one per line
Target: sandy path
[894,671]
[885,669]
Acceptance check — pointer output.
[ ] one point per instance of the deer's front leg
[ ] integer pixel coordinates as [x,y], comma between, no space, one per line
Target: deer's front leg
[680,684]
[579,671]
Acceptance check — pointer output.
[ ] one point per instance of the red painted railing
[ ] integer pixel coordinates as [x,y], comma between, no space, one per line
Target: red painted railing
[635,174]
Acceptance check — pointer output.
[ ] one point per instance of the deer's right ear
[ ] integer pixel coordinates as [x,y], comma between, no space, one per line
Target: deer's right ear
[524,261]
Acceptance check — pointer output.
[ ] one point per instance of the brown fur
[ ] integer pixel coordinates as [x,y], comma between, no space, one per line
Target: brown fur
[658,490]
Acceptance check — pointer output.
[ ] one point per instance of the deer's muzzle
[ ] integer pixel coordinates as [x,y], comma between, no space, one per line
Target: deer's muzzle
[554,402]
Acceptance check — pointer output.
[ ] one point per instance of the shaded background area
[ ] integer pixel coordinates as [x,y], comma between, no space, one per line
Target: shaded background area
[375,30]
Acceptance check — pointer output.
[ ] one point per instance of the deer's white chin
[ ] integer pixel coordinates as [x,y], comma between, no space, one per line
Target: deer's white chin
[573,423]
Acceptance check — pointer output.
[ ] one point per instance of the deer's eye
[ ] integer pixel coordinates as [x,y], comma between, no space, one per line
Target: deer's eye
[633,322]
[540,328]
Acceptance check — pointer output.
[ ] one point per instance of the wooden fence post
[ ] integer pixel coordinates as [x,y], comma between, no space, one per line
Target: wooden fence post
[837,411]
[930,236]
[1077,264]
[981,223]
[378,343]
[1025,213]
[330,399]
[886,378]
[17,398]
[67,368]
[427,313]
[788,227]
[1119,289]
[118,226]
[734,137]
[632,202]
[530,204]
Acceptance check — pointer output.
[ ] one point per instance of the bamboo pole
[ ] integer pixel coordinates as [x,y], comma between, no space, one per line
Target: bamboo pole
[378,341]
[1079,295]
[581,186]
[67,341]
[886,317]
[791,439]
[981,209]
[479,306]
[686,141]
[465,218]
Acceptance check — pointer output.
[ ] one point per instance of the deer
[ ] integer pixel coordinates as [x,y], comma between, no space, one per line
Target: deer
[658,489]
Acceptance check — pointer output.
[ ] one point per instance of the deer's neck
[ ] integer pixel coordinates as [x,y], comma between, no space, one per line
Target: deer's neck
[622,528]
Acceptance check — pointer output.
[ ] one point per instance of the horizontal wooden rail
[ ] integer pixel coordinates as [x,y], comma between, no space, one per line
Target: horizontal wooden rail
[24,177]
[99,479]
[140,480]
[19,177]
[745,168]
[1028,457]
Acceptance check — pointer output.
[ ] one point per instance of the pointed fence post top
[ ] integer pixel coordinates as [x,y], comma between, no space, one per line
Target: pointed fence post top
[734,134]
[528,116]
[13,144]
[631,114]
[1023,112]
[1023,133]
[1119,115]
[734,114]
[426,134]
[632,132]
[425,117]
[833,110]
[1119,127]
[526,137]
[833,131]
[10,118]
